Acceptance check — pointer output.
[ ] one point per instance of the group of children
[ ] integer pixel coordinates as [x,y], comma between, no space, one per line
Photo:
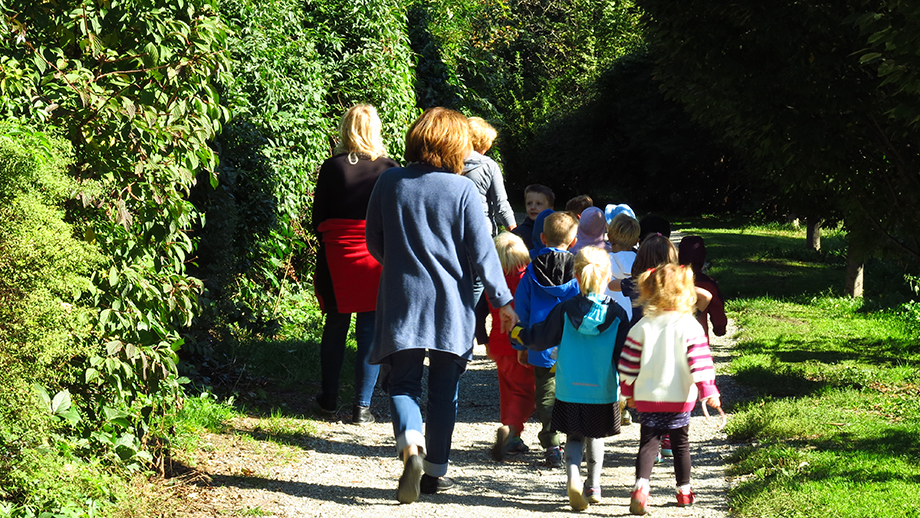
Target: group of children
[608,319]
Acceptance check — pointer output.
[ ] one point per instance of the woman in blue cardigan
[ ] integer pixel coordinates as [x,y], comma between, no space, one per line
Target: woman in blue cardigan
[426,227]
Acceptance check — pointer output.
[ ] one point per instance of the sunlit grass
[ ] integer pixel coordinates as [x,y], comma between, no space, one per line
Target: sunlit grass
[835,426]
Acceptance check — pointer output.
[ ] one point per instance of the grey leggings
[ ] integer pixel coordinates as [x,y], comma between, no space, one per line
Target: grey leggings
[594,449]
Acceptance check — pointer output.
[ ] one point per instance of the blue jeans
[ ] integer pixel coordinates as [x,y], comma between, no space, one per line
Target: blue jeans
[405,388]
[332,356]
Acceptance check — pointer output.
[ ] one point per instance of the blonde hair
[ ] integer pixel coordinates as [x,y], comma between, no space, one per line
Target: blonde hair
[655,251]
[667,288]
[482,134]
[623,231]
[512,252]
[359,132]
[560,228]
[439,138]
[592,269]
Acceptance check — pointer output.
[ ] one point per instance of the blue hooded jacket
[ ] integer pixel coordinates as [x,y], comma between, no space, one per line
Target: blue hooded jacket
[548,280]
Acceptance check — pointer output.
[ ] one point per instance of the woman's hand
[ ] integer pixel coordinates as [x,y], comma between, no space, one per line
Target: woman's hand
[508,317]
[615,285]
[630,402]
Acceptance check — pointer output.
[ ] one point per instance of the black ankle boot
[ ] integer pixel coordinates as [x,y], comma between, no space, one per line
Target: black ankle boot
[361,415]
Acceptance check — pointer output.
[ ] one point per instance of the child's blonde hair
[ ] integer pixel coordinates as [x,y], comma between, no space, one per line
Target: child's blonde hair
[482,134]
[623,231]
[592,269]
[667,288]
[512,252]
[559,229]
[359,132]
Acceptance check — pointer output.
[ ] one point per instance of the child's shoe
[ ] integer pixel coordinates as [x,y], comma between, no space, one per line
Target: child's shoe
[593,495]
[685,499]
[501,441]
[515,446]
[626,417]
[638,502]
[576,498]
[554,456]
[666,446]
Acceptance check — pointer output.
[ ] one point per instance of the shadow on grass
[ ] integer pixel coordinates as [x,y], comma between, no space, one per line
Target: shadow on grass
[870,351]
[769,382]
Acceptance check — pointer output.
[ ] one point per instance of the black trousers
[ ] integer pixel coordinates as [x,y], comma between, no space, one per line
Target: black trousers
[649,440]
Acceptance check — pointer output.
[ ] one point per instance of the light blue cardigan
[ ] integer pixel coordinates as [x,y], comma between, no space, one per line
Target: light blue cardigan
[428,231]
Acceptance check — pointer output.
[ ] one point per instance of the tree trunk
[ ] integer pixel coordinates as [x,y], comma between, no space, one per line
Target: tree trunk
[854,287]
[813,233]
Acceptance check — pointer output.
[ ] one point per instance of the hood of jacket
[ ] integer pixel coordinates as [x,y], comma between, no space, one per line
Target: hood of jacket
[475,159]
[553,268]
[538,245]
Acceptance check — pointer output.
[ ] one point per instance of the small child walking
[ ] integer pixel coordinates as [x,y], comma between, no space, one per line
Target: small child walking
[665,367]
[515,381]
[548,280]
[590,330]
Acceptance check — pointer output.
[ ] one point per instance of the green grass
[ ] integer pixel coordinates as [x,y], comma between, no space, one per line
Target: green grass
[199,414]
[835,427]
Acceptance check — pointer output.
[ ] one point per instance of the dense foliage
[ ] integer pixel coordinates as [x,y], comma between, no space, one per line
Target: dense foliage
[820,97]
[297,68]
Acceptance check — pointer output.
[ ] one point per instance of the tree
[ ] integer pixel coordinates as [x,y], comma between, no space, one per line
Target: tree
[821,96]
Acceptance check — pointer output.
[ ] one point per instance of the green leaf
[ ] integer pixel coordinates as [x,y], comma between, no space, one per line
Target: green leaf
[61,402]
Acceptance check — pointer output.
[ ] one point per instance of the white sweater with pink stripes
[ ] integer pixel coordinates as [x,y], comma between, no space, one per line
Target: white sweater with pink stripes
[666,364]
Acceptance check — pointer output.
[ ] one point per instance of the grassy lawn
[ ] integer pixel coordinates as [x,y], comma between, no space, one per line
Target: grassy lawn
[835,428]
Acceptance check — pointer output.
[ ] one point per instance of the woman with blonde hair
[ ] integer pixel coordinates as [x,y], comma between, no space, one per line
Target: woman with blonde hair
[346,275]
[425,226]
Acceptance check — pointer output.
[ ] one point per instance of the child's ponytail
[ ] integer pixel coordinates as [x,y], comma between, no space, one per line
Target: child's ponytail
[592,269]
[667,288]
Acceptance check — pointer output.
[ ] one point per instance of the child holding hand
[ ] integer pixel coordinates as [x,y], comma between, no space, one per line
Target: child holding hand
[515,381]
[590,330]
[665,367]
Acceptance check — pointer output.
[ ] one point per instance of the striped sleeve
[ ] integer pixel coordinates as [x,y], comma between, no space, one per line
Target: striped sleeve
[629,365]
[701,365]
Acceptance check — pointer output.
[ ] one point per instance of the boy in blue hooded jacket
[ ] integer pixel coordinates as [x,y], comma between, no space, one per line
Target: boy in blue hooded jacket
[548,280]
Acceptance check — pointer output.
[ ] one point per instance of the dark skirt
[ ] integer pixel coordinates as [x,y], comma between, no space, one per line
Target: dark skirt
[587,420]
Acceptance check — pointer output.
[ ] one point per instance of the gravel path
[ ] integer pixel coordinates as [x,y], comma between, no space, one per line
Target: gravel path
[345,470]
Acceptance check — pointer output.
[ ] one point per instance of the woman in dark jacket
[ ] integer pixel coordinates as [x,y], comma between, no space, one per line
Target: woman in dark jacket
[346,274]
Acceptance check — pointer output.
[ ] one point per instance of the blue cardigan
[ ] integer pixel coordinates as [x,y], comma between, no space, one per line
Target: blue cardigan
[428,231]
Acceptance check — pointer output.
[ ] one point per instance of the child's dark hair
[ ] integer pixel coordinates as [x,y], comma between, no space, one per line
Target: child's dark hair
[542,189]
[656,250]
[652,224]
[578,204]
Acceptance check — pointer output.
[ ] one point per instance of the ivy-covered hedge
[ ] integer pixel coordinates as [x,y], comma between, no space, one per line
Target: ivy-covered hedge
[297,66]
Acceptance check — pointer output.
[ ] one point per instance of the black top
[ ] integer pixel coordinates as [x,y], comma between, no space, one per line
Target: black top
[343,189]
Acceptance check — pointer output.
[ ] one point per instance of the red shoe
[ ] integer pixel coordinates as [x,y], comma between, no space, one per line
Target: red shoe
[638,502]
[666,450]
[683,500]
